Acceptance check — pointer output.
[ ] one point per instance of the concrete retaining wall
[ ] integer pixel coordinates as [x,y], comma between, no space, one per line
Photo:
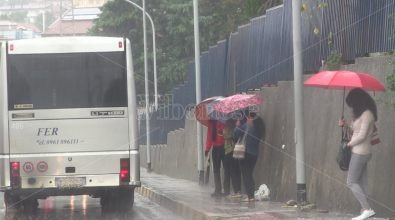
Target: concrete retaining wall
[276,165]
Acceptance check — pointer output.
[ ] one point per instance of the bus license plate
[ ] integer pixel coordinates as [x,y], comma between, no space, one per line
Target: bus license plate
[70,182]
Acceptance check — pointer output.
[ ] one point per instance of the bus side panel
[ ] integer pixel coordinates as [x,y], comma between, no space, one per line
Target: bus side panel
[4,172]
[4,143]
[135,168]
[133,128]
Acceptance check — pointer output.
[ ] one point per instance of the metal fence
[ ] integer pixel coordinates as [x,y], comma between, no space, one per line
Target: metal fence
[260,52]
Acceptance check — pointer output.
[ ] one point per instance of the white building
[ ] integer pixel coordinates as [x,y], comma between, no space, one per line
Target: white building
[74,22]
[13,31]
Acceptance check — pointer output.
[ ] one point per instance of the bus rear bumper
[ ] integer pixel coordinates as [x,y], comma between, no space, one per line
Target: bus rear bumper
[94,185]
[95,192]
[38,182]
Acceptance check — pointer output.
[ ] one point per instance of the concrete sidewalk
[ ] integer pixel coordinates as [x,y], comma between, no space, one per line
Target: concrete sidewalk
[191,201]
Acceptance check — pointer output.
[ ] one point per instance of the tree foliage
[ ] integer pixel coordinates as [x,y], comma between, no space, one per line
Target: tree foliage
[173,21]
[17,3]
[49,18]
[334,61]
[19,16]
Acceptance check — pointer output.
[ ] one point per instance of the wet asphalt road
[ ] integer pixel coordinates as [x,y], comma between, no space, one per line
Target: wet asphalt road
[87,208]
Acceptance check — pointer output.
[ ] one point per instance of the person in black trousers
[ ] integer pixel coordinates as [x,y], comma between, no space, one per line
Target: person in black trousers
[254,129]
[231,165]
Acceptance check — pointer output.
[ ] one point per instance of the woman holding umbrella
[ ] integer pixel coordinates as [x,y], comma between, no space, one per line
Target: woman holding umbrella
[253,130]
[364,112]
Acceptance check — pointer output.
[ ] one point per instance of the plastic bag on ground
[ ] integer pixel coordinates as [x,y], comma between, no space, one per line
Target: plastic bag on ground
[262,194]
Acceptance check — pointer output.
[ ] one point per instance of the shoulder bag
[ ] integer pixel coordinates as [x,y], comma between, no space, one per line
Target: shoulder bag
[240,147]
[344,154]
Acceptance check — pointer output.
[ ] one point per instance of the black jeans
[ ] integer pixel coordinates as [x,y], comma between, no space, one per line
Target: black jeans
[218,157]
[231,173]
[247,168]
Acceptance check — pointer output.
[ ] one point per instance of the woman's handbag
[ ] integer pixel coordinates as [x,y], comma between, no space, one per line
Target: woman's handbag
[239,151]
[344,154]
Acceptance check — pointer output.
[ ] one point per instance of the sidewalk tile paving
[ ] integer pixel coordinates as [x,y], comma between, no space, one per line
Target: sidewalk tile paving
[191,201]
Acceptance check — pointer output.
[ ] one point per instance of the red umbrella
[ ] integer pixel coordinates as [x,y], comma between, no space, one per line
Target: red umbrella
[237,102]
[204,108]
[344,79]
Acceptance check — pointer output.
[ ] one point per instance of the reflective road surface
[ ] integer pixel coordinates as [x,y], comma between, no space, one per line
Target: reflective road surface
[84,208]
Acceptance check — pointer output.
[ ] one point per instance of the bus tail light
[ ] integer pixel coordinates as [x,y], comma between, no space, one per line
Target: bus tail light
[15,174]
[124,174]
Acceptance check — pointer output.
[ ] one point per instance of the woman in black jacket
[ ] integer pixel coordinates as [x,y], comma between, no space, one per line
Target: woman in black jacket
[253,129]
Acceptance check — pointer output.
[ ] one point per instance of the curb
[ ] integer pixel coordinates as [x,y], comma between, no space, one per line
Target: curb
[177,207]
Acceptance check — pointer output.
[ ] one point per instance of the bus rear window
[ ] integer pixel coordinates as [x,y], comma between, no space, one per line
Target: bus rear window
[72,80]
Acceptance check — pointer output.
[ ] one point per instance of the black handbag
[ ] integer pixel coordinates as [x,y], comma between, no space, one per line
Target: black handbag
[344,154]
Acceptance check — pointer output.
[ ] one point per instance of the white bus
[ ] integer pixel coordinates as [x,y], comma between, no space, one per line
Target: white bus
[68,123]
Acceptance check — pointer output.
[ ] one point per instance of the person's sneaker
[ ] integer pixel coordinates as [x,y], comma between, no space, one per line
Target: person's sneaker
[367,213]
[236,196]
[248,200]
[216,194]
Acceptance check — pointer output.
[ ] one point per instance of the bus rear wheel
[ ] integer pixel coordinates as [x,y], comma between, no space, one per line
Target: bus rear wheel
[126,199]
[119,200]
[12,202]
[30,205]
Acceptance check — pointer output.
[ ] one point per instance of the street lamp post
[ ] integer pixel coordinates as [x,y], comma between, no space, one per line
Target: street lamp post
[154,50]
[198,90]
[301,192]
[147,125]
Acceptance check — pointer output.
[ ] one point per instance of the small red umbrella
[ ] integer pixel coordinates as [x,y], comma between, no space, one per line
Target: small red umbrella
[237,102]
[344,79]
[204,108]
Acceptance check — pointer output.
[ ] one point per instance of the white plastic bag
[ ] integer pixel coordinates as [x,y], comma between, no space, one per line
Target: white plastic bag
[262,193]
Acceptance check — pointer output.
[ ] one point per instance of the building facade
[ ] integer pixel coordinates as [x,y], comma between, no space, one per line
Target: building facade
[10,30]
[88,3]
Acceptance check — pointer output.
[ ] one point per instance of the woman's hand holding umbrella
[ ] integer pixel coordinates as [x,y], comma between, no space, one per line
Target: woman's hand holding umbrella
[342,122]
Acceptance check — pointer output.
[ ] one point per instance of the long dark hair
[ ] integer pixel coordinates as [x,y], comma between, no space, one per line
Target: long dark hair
[359,100]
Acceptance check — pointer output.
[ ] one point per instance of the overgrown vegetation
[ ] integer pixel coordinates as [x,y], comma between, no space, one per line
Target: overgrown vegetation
[19,16]
[310,15]
[389,97]
[333,61]
[390,85]
[390,78]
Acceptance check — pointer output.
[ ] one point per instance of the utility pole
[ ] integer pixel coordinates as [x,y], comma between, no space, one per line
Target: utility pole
[72,16]
[154,50]
[60,19]
[301,192]
[43,21]
[44,16]
[198,90]
[147,117]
